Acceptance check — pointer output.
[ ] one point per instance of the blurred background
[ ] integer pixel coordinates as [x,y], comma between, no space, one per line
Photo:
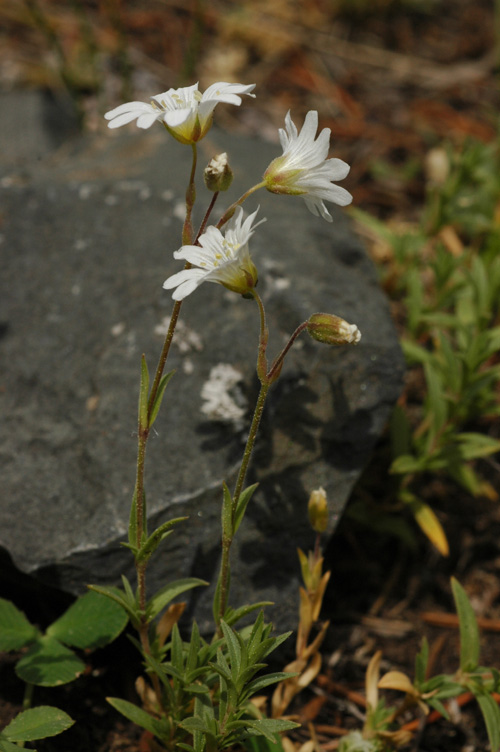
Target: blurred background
[392,78]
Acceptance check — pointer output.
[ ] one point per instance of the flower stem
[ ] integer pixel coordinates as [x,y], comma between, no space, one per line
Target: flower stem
[265,384]
[143,433]
[230,211]
[207,215]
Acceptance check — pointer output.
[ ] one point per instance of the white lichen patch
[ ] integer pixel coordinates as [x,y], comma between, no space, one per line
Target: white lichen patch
[185,339]
[219,403]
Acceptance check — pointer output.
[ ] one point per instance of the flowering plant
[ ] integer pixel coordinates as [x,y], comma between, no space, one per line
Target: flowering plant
[199,692]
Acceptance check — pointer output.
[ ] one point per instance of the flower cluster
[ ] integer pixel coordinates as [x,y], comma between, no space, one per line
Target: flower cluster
[302,170]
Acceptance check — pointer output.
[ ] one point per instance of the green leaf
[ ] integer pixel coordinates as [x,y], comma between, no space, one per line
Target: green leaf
[37,723]
[407,464]
[263,727]
[154,540]
[91,622]
[15,629]
[48,663]
[233,647]
[491,715]
[169,592]
[139,716]
[261,744]
[143,395]
[421,661]
[121,598]
[257,685]
[6,746]
[159,396]
[242,504]
[469,631]
[234,615]
[474,445]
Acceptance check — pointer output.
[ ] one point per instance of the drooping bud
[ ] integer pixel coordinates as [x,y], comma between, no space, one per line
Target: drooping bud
[218,175]
[318,510]
[332,330]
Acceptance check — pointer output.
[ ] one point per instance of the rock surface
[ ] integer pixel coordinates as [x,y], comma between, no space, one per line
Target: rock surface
[87,235]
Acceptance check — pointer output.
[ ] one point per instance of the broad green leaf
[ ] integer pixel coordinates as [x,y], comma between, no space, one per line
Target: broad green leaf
[37,723]
[242,504]
[154,540]
[91,622]
[138,716]
[15,629]
[491,715]
[469,631]
[143,395]
[48,663]
[169,592]
[159,396]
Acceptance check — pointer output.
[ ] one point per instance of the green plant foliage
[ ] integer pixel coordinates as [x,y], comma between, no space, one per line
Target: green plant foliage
[90,623]
[48,663]
[37,723]
[15,630]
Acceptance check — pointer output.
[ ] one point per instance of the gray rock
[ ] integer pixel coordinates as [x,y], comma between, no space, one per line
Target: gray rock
[87,240]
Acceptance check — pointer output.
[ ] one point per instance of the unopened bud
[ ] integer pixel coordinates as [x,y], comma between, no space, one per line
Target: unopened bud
[318,510]
[218,175]
[332,330]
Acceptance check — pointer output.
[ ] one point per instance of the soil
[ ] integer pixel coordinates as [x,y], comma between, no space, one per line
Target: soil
[397,79]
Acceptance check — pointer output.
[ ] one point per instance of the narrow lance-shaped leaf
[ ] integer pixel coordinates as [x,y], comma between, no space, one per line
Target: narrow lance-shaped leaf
[491,715]
[154,540]
[469,631]
[159,396]
[169,592]
[242,504]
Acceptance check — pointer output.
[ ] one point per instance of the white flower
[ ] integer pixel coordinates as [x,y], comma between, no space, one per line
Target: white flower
[218,258]
[186,112]
[304,170]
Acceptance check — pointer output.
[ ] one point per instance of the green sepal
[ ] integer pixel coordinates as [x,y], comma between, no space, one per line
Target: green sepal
[242,504]
[469,631]
[37,723]
[143,395]
[48,663]
[170,591]
[151,544]
[15,629]
[90,623]
[159,396]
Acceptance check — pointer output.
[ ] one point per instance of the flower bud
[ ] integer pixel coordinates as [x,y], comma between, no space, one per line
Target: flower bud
[218,175]
[332,330]
[318,510]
